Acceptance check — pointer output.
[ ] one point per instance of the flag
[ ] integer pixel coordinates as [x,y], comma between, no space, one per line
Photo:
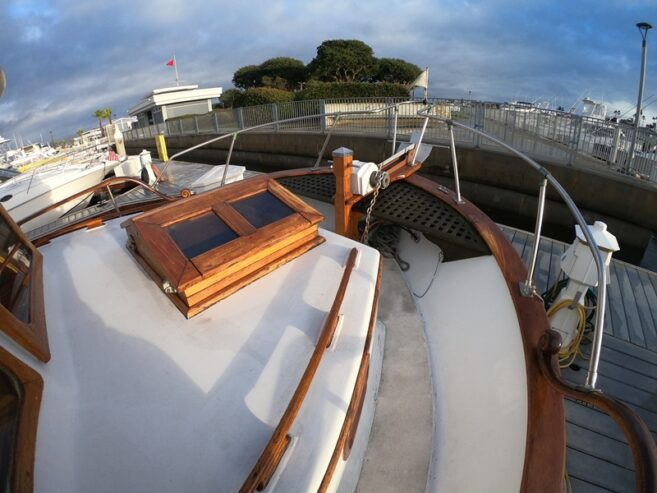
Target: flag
[171,63]
[422,80]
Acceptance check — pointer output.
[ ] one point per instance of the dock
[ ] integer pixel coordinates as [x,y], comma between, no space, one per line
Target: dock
[598,458]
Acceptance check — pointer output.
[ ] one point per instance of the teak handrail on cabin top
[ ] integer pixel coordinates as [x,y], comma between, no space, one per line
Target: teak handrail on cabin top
[275,449]
[639,438]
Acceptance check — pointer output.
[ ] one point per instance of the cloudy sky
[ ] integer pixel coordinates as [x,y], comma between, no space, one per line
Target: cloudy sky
[66,58]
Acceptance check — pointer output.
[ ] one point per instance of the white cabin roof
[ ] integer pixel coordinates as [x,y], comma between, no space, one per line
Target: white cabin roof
[174,95]
[137,398]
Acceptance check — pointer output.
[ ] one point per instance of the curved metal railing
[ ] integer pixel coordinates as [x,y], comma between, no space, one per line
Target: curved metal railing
[336,115]
[527,288]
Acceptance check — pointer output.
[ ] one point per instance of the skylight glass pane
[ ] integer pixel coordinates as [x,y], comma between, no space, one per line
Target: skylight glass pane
[262,209]
[200,234]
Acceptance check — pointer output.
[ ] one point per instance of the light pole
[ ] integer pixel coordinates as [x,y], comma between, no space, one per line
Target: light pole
[643,29]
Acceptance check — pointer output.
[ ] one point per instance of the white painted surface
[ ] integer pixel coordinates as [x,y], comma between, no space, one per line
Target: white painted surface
[214,176]
[32,192]
[137,398]
[478,366]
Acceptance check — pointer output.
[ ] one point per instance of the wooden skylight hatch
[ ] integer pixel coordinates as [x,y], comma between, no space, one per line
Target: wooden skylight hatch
[205,248]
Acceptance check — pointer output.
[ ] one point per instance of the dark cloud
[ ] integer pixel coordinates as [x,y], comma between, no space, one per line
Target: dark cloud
[65,58]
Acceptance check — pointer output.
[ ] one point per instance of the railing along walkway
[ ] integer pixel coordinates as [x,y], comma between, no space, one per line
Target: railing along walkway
[598,458]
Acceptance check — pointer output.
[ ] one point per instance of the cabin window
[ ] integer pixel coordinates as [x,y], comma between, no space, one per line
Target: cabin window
[262,209]
[21,289]
[9,412]
[200,234]
[204,248]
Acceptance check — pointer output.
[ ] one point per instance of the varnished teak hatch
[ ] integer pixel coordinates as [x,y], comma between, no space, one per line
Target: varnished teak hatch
[202,249]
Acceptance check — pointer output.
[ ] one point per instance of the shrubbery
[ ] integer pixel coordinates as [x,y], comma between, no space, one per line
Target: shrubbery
[327,90]
[262,95]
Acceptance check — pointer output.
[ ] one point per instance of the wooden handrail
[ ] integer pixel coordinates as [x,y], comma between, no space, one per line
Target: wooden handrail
[639,438]
[104,184]
[275,449]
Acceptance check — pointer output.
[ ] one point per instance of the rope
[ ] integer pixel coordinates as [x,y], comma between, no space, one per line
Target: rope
[385,238]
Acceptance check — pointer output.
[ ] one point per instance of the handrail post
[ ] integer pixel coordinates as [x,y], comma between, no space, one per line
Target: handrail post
[527,288]
[592,373]
[455,164]
[230,153]
[111,195]
[326,141]
[394,131]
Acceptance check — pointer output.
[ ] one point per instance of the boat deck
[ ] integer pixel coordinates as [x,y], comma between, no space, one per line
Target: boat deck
[598,458]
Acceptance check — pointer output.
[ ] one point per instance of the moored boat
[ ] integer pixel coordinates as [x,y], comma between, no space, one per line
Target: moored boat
[271,382]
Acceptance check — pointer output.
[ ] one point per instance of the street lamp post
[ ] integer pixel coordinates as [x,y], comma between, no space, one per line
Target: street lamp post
[643,29]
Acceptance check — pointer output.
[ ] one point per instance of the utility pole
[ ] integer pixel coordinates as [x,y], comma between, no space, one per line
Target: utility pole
[643,29]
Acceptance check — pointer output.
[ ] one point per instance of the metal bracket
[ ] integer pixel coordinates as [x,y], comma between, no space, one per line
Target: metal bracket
[527,290]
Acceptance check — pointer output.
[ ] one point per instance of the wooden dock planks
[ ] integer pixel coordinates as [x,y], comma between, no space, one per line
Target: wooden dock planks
[598,457]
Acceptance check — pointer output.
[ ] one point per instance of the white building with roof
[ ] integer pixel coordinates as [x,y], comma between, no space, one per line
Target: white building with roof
[171,102]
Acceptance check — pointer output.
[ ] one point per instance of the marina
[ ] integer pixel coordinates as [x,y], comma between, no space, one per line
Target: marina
[332,273]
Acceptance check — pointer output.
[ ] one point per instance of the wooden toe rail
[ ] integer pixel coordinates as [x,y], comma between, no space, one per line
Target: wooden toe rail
[642,445]
[275,448]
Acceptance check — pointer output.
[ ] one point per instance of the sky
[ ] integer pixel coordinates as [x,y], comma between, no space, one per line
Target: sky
[66,58]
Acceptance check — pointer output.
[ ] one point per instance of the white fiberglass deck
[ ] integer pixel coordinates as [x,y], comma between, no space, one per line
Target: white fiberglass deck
[478,370]
[137,398]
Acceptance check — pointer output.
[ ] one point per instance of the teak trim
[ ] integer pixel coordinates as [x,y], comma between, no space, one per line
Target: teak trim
[31,336]
[31,386]
[639,437]
[275,449]
[352,417]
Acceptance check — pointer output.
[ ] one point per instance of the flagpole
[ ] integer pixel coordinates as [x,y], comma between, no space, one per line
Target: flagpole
[175,65]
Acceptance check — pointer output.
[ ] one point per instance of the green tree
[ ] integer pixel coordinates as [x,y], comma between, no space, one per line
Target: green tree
[100,114]
[262,95]
[107,113]
[228,97]
[80,132]
[397,71]
[279,73]
[282,73]
[343,60]
[246,77]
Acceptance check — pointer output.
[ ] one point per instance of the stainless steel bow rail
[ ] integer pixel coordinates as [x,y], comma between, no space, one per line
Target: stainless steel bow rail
[527,287]
[335,115]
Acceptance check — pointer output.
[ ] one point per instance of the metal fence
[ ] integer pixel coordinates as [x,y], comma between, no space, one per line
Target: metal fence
[547,135]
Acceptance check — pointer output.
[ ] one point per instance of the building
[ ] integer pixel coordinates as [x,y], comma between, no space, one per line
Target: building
[171,102]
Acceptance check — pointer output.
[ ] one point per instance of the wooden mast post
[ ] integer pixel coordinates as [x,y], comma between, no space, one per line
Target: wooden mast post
[345,224]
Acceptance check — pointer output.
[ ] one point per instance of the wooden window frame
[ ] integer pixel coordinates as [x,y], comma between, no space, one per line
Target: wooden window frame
[194,284]
[32,336]
[31,386]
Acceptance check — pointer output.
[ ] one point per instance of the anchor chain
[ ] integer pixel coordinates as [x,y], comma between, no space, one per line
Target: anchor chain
[379,183]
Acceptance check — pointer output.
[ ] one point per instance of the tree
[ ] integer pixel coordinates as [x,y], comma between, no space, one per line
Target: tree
[228,97]
[282,73]
[262,95]
[341,60]
[107,113]
[279,73]
[80,132]
[397,71]
[100,114]
[246,77]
